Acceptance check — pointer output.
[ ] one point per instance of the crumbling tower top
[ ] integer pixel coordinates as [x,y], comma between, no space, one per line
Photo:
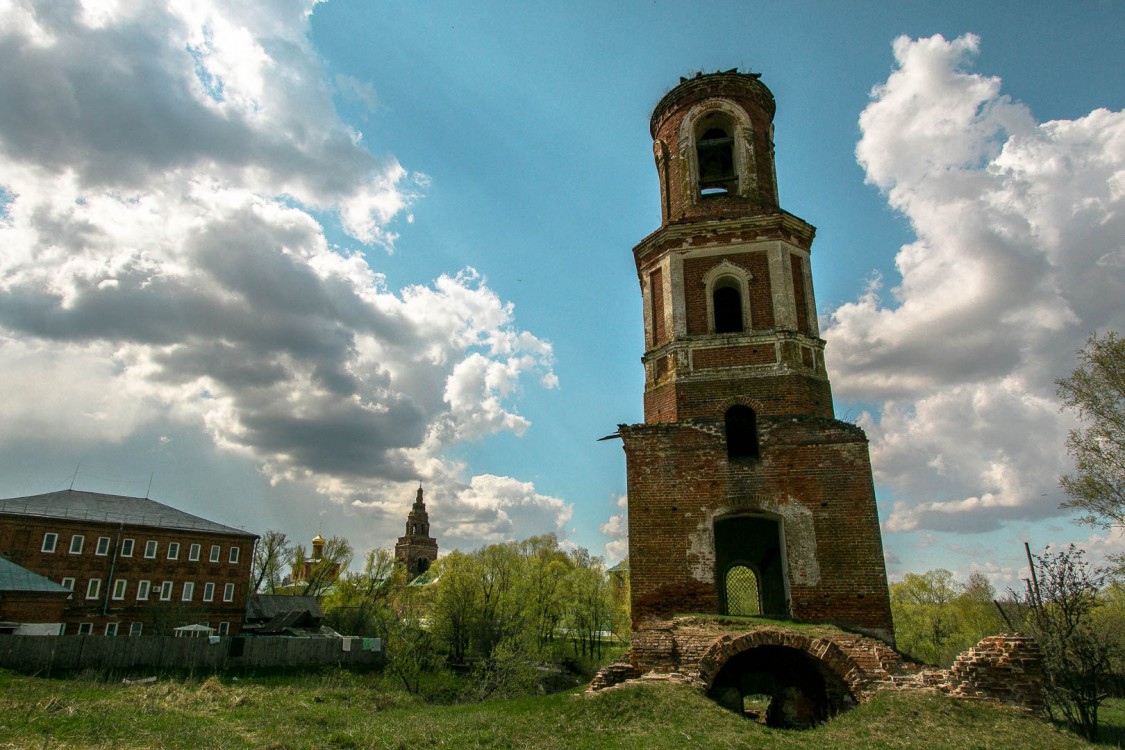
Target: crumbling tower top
[713,143]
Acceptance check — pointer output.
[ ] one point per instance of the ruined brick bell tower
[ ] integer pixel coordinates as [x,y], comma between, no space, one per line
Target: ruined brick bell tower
[746,495]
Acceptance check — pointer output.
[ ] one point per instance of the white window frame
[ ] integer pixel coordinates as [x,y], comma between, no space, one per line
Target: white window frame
[166,591]
[111,629]
[224,628]
[152,547]
[188,592]
[68,583]
[209,592]
[173,550]
[77,542]
[136,628]
[119,587]
[50,543]
[228,592]
[233,557]
[103,546]
[144,588]
[85,628]
[93,588]
[193,553]
[216,552]
[127,547]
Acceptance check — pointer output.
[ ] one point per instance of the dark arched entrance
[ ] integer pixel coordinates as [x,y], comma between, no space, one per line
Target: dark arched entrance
[752,542]
[780,686]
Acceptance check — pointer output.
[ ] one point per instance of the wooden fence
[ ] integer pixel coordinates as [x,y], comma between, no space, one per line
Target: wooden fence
[47,654]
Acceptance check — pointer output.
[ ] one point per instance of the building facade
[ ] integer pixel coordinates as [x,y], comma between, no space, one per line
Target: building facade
[746,495]
[133,566]
[417,549]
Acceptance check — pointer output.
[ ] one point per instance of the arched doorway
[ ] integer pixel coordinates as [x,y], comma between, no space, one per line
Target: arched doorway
[750,547]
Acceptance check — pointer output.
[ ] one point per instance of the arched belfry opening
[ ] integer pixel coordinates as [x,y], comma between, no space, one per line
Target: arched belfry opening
[714,150]
[741,427]
[750,566]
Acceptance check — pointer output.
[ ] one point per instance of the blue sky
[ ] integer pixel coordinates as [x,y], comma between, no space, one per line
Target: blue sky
[288,260]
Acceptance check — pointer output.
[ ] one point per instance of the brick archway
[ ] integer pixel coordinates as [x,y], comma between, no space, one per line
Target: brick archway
[824,651]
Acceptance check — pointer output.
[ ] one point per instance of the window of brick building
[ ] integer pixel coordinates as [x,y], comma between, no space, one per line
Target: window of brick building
[224,628]
[77,542]
[173,550]
[119,587]
[208,592]
[150,548]
[143,588]
[136,628]
[193,553]
[714,150]
[103,546]
[215,553]
[111,629]
[233,554]
[126,547]
[742,432]
[68,583]
[93,588]
[228,592]
[726,301]
[50,542]
[85,628]
[189,591]
[166,591]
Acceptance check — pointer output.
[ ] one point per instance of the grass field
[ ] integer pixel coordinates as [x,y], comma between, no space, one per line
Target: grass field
[344,710]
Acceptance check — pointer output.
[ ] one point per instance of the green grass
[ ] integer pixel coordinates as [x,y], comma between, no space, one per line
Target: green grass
[342,710]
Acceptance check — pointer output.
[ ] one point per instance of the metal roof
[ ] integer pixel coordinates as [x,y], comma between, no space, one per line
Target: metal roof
[16,578]
[116,509]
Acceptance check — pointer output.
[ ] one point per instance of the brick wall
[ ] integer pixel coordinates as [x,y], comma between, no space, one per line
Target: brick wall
[21,541]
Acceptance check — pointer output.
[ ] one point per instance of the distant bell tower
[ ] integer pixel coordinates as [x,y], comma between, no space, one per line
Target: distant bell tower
[746,495]
[417,549]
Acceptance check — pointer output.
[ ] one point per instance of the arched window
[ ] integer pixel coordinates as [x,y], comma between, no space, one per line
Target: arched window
[714,150]
[742,432]
[742,592]
[726,301]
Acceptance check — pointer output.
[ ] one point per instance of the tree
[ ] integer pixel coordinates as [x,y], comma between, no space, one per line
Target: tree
[354,604]
[1079,653]
[272,555]
[334,560]
[1096,392]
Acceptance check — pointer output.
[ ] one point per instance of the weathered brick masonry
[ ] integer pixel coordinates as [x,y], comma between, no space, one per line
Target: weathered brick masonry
[730,326]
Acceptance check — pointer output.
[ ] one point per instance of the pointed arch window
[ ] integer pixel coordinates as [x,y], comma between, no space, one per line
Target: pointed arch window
[741,425]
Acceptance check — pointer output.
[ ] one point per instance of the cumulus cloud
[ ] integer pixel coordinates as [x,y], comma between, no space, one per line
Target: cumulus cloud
[1018,255]
[162,168]
[617,529]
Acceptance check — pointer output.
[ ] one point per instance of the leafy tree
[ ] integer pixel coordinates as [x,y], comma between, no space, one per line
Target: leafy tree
[1096,392]
[334,560]
[273,554]
[354,604]
[455,606]
[1079,653]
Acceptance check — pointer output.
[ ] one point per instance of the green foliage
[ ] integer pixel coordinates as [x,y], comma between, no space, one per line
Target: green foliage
[273,555]
[937,618]
[1096,392]
[1081,647]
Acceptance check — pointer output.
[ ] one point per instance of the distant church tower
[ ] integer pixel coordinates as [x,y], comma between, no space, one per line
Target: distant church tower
[417,550]
[746,495]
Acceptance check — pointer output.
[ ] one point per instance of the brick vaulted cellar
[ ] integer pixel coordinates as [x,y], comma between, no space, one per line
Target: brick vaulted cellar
[746,495]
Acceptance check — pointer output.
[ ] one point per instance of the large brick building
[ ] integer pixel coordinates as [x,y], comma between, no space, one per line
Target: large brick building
[746,495]
[132,564]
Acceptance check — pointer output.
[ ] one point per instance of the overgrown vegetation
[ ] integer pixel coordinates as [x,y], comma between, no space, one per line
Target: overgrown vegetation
[937,617]
[337,709]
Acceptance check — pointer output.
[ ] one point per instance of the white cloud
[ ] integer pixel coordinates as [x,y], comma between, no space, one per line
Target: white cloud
[1020,229]
[617,529]
[162,261]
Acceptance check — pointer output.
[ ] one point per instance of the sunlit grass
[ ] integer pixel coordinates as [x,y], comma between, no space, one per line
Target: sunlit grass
[338,709]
